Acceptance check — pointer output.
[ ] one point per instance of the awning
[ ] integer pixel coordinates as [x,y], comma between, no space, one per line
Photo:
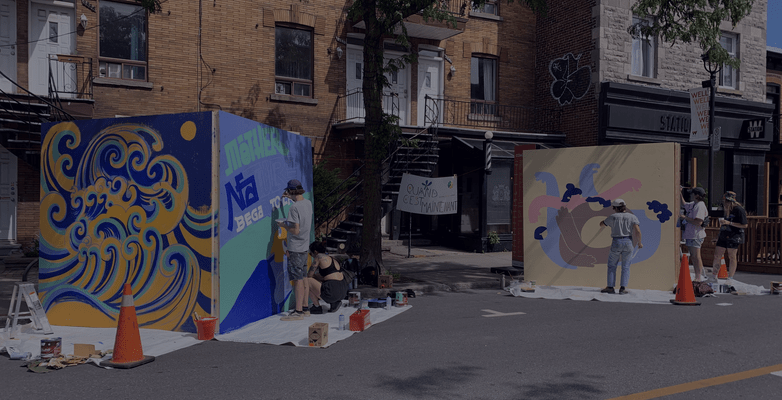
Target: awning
[499,148]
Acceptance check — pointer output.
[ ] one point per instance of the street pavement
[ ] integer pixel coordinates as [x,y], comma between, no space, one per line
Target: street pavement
[460,341]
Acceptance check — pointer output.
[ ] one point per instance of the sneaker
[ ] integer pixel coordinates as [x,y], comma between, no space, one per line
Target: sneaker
[305,311]
[335,306]
[293,316]
[609,289]
[622,290]
[732,290]
[316,310]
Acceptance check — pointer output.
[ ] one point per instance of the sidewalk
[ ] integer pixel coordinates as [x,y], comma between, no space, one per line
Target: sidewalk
[439,269]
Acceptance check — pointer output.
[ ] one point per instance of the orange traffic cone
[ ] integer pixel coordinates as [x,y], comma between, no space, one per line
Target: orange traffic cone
[684,293]
[723,274]
[127,344]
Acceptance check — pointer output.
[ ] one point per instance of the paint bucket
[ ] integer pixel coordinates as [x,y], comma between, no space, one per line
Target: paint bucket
[51,348]
[206,328]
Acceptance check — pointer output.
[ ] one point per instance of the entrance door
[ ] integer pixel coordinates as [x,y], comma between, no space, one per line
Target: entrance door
[7,198]
[430,82]
[354,106]
[51,32]
[399,84]
[8,44]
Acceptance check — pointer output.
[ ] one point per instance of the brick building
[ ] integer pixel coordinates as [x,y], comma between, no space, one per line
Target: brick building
[774,157]
[297,65]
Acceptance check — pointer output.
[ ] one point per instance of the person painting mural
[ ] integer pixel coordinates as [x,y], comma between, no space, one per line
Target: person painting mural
[695,213]
[731,236]
[625,229]
[299,225]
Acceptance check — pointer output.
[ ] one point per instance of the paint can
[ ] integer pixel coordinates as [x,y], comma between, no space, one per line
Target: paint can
[51,348]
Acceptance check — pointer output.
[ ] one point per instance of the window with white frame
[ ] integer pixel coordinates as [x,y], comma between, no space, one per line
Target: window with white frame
[643,53]
[729,42]
[122,40]
[293,61]
[489,7]
[483,85]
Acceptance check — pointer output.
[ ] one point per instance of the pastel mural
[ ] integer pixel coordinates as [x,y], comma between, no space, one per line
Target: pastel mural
[256,161]
[567,192]
[137,200]
[127,201]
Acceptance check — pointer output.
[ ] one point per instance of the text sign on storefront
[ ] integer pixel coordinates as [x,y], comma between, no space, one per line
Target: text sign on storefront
[429,196]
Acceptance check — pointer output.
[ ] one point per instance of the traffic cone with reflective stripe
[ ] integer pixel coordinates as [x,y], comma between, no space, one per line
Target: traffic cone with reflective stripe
[685,296]
[723,274]
[127,343]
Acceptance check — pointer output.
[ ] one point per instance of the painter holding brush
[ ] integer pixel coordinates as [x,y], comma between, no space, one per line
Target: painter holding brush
[299,225]
[624,228]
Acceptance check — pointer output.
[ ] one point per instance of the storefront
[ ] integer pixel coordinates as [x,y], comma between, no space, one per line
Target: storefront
[640,114]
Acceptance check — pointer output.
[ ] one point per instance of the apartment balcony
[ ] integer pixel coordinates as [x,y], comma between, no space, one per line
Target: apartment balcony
[473,114]
[417,27]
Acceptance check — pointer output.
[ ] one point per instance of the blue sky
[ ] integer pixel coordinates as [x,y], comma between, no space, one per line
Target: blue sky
[774,24]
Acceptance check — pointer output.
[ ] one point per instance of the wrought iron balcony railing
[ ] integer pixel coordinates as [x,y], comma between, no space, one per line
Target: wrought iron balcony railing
[70,76]
[490,115]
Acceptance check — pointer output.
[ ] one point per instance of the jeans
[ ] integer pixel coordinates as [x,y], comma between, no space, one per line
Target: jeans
[621,248]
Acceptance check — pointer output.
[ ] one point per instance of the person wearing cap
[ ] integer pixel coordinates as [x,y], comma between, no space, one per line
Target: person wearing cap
[731,236]
[624,229]
[695,212]
[299,225]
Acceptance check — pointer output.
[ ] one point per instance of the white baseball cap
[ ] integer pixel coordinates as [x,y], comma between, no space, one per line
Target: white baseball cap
[617,203]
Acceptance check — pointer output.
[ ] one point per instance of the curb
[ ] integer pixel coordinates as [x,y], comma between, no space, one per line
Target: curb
[428,287]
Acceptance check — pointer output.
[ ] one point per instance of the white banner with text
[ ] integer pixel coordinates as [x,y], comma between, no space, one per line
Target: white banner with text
[429,196]
[699,114]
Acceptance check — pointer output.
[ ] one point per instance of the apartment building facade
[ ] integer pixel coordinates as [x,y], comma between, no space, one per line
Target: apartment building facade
[296,65]
[614,88]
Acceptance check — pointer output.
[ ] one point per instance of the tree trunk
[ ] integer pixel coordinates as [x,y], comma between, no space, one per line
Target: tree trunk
[375,140]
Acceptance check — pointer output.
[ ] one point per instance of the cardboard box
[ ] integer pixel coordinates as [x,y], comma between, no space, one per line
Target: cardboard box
[359,320]
[83,350]
[776,287]
[385,281]
[319,334]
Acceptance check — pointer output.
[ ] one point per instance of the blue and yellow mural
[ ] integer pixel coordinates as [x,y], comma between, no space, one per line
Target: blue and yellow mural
[135,200]
[127,201]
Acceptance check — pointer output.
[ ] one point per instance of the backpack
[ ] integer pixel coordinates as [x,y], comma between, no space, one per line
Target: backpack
[349,267]
[701,288]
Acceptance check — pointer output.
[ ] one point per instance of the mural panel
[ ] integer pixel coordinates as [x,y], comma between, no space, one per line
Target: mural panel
[256,162]
[127,201]
[567,192]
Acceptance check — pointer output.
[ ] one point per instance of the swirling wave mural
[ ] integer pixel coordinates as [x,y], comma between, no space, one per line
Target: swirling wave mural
[127,202]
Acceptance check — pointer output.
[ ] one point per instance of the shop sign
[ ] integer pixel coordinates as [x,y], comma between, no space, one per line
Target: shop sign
[754,128]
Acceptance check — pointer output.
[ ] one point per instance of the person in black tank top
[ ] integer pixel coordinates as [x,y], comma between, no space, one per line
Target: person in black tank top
[326,281]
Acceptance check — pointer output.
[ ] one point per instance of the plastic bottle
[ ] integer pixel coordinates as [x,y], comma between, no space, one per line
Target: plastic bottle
[341,321]
[388,302]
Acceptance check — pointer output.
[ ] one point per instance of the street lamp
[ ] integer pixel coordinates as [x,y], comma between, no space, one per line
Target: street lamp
[712,69]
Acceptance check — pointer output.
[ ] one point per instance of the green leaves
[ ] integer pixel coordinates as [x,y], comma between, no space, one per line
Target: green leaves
[690,21]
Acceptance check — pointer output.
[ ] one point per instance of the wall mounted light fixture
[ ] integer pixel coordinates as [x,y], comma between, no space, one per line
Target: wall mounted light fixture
[83,21]
[453,70]
[339,53]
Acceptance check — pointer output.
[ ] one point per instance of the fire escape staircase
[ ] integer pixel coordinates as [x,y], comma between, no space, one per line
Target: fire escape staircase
[414,153]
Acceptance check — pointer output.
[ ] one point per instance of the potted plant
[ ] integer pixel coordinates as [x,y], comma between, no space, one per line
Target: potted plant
[493,239]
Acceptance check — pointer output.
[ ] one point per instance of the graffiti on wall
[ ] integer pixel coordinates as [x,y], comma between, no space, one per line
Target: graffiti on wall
[127,201]
[571,82]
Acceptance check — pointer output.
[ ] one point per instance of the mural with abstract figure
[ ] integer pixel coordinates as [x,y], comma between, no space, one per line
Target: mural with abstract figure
[571,82]
[127,201]
[567,192]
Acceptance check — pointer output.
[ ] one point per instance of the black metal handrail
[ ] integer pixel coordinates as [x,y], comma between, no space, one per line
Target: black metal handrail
[350,106]
[71,76]
[482,115]
[39,98]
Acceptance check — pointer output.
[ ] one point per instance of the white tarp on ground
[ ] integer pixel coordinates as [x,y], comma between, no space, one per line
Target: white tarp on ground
[272,330]
[154,342]
[634,295]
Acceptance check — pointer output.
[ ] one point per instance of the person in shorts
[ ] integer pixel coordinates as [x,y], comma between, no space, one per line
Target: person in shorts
[299,226]
[695,213]
[731,235]
[624,228]
[326,280]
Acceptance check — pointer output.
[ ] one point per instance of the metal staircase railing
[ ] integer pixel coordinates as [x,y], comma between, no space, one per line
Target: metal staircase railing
[342,222]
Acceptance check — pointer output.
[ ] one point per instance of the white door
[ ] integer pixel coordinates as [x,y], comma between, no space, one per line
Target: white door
[430,82]
[8,44]
[7,197]
[51,32]
[354,106]
[399,84]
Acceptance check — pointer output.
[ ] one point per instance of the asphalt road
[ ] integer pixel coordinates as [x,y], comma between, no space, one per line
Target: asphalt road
[445,348]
